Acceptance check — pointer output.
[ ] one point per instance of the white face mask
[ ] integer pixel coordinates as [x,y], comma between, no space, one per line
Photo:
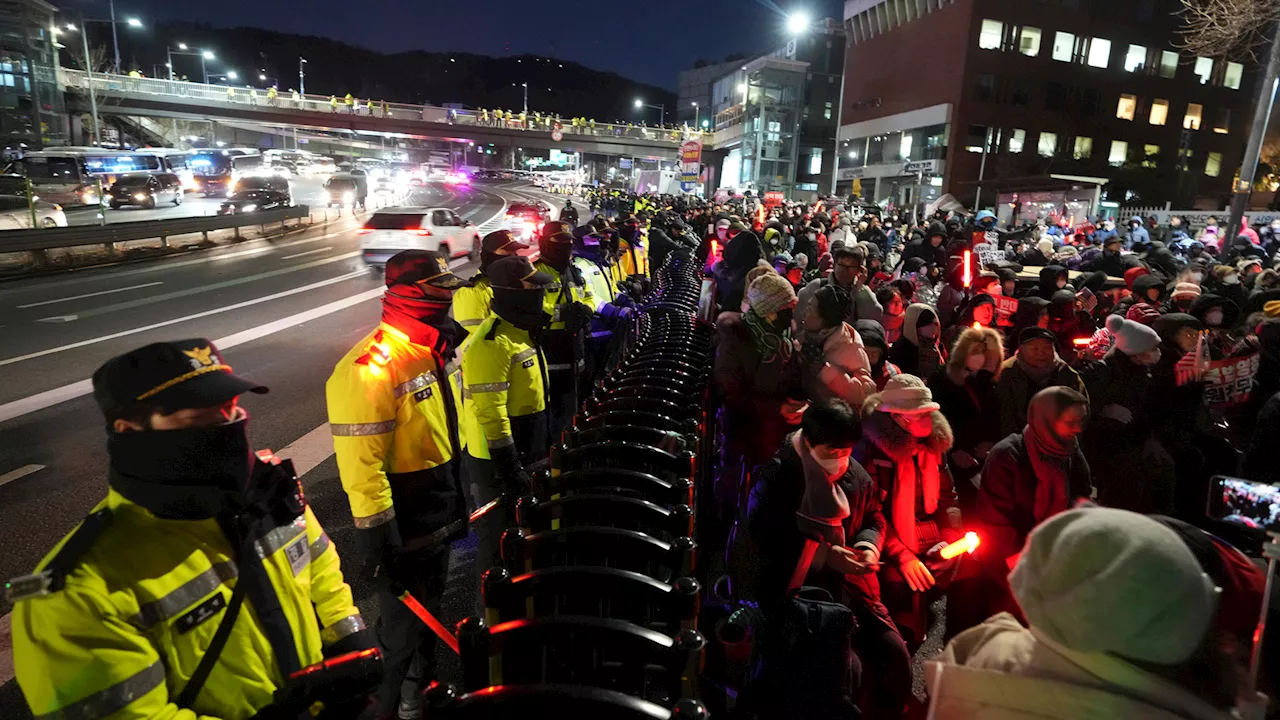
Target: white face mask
[722,233]
[1213,317]
[1231,280]
[833,467]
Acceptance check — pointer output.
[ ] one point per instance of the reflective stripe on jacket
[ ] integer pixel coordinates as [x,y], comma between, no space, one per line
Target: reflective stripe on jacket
[124,634]
[471,304]
[505,376]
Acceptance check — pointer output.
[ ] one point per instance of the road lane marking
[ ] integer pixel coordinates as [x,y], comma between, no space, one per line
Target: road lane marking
[103,310]
[21,472]
[49,398]
[309,450]
[59,319]
[206,313]
[309,252]
[92,294]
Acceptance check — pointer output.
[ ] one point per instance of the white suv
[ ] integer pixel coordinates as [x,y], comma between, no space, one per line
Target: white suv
[417,228]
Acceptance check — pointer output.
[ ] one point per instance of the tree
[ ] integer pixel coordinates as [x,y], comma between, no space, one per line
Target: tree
[1222,28]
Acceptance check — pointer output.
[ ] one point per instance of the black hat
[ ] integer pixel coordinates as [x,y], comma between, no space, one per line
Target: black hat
[556,231]
[1035,332]
[508,272]
[502,239]
[410,267]
[172,376]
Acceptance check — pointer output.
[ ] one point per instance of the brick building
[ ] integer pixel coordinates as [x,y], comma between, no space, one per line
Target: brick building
[1048,101]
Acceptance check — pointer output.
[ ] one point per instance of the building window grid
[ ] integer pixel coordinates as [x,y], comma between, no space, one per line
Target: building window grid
[1193,117]
[1159,112]
[889,14]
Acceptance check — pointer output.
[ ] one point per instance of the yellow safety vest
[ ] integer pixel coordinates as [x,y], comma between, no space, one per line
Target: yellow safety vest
[130,625]
[506,384]
[633,259]
[388,419]
[558,298]
[471,304]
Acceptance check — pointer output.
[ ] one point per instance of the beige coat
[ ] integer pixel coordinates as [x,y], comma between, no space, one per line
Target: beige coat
[845,371]
[999,670]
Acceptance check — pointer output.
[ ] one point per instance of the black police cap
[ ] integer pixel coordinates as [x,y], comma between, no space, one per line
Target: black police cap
[171,376]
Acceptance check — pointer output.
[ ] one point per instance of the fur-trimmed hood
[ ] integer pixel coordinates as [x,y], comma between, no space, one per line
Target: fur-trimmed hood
[895,442]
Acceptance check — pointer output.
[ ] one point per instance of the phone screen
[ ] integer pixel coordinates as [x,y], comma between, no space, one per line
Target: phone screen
[1244,502]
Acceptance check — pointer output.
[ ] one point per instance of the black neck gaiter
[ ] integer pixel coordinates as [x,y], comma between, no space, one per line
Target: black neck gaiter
[521,307]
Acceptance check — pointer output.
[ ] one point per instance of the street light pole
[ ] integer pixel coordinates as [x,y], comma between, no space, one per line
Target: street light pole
[302,76]
[168,57]
[525,85]
[115,38]
[93,98]
[695,116]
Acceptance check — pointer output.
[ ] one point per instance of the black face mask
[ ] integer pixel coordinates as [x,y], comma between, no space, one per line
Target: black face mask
[784,319]
[556,254]
[520,307]
[191,474]
[488,258]
[627,232]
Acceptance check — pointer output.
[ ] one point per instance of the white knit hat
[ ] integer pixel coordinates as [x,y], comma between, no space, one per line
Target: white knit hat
[1186,290]
[1100,580]
[906,395]
[1132,338]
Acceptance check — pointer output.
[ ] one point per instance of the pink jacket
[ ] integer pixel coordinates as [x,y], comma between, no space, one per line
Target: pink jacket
[845,372]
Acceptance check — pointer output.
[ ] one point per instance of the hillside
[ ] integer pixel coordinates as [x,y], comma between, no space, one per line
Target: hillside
[337,68]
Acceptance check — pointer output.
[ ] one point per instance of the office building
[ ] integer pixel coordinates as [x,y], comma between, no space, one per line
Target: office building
[32,111]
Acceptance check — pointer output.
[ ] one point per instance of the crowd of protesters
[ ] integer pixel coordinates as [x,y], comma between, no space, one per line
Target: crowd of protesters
[1064,394]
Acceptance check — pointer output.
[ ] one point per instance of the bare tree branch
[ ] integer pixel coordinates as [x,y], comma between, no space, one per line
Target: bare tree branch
[1226,28]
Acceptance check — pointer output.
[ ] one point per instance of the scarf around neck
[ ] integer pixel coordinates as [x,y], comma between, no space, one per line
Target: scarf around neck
[425,321]
[1039,376]
[770,343]
[824,506]
[915,463]
[1050,454]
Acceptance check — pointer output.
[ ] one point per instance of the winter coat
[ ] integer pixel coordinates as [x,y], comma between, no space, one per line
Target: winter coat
[739,256]
[1262,454]
[923,249]
[873,335]
[843,371]
[1015,388]
[883,445]
[1034,258]
[865,306]
[753,390]
[776,492]
[972,409]
[1111,263]
[1138,236]
[1005,511]
[1048,284]
[1000,670]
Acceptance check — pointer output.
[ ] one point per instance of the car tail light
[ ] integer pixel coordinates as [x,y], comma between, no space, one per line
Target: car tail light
[422,232]
[364,231]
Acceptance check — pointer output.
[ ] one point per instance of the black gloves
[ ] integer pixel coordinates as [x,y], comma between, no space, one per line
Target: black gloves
[576,317]
[510,471]
[379,548]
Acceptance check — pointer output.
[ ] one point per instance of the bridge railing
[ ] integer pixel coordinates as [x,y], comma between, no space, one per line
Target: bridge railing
[108,84]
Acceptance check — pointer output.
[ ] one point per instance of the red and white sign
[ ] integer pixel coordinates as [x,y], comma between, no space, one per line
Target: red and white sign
[557,135]
[774,198]
[690,163]
[1229,381]
[1005,309]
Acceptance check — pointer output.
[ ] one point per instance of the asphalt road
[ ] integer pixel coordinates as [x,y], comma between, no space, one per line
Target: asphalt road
[284,312]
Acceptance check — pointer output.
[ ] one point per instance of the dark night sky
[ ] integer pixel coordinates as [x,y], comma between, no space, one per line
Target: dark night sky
[648,41]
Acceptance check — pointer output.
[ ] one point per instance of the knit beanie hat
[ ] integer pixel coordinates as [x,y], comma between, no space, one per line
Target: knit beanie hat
[1132,338]
[1141,312]
[761,268]
[1186,290]
[1100,580]
[1045,246]
[1134,273]
[770,293]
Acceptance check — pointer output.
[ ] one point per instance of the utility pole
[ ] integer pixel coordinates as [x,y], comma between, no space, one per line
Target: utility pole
[93,98]
[1257,133]
[302,76]
[115,39]
[525,85]
[982,170]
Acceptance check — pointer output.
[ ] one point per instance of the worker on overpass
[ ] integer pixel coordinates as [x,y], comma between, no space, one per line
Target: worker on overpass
[484,116]
[231,94]
[571,303]
[394,407]
[253,96]
[333,103]
[272,94]
[350,103]
[122,617]
[507,381]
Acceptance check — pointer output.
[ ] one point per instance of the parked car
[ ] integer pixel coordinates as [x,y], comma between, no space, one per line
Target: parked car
[145,190]
[405,228]
[525,220]
[15,214]
[260,192]
[346,189]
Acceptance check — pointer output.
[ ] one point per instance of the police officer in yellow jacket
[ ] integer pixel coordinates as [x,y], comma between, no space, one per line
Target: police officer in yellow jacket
[571,303]
[201,582]
[633,256]
[592,256]
[471,304]
[506,378]
[394,414]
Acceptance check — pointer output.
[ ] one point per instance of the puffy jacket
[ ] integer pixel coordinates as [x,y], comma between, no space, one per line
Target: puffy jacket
[506,387]
[843,370]
[864,306]
[140,605]
[633,258]
[562,342]
[395,426]
[471,304]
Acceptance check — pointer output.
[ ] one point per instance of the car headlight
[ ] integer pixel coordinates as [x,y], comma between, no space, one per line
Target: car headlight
[90,198]
[248,208]
[139,196]
[348,196]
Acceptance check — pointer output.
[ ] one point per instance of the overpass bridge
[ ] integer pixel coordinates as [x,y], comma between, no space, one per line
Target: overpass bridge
[175,99]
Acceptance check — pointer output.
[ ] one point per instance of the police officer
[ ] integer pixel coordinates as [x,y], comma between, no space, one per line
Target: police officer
[197,539]
[506,376]
[471,304]
[633,256]
[570,213]
[394,414]
[570,302]
[592,256]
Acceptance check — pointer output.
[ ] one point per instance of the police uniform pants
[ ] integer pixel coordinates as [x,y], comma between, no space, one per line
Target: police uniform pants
[406,642]
[563,402]
[485,485]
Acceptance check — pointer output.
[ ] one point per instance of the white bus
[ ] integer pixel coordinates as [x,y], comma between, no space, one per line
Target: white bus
[70,175]
[173,161]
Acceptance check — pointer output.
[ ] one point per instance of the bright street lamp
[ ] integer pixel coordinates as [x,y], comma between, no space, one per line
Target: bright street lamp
[134,22]
[207,54]
[88,73]
[797,23]
[662,110]
[182,46]
[231,75]
[262,76]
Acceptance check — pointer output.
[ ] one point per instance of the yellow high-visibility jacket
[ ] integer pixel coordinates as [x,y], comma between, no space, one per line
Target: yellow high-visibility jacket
[141,604]
[633,259]
[471,304]
[506,387]
[391,426]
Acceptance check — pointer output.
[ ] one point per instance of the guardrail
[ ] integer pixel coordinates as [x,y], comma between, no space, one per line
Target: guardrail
[108,83]
[65,237]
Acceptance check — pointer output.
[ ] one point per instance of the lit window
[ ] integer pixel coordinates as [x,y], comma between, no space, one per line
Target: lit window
[1213,164]
[1048,144]
[1191,121]
[1159,112]
[989,37]
[1119,152]
[1099,53]
[905,146]
[1083,148]
[1135,58]
[1064,45]
[1127,107]
[1203,69]
[1150,153]
[1029,41]
[1017,138]
[1231,78]
[815,161]
[1222,121]
[826,112]
[1168,64]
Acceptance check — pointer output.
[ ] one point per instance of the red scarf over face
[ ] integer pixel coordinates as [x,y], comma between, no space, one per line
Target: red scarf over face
[1050,453]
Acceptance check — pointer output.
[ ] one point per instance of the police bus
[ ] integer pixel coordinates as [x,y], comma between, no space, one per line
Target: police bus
[70,176]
